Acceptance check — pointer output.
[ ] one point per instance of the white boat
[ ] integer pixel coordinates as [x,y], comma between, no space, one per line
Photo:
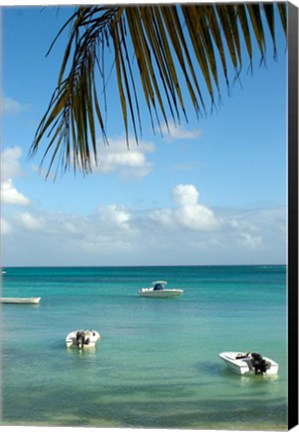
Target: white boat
[20,300]
[82,338]
[158,290]
[249,363]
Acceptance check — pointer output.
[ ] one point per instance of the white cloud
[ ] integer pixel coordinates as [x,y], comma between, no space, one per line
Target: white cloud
[189,213]
[115,235]
[163,216]
[72,239]
[5,227]
[197,217]
[185,195]
[187,233]
[10,165]
[12,107]
[250,240]
[178,132]
[30,222]
[117,157]
[10,195]
[114,215]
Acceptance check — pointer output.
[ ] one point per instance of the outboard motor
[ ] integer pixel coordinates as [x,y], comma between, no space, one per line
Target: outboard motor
[80,338]
[259,364]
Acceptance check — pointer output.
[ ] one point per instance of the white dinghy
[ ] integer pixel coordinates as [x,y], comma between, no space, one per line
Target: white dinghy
[20,300]
[158,290]
[82,339]
[249,363]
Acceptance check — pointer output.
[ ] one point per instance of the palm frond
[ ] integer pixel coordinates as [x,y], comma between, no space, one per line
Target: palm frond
[182,52]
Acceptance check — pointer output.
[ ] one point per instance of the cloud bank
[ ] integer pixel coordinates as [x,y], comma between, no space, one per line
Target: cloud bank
[187,233]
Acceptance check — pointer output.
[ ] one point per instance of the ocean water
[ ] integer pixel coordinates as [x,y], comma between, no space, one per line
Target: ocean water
[157,363]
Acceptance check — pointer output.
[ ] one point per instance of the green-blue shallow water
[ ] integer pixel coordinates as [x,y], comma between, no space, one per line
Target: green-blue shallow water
[157,363]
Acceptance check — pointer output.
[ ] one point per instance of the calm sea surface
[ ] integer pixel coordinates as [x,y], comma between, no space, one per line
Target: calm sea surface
[157,363]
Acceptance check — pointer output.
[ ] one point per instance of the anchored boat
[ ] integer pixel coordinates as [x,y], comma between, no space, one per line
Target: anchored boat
[158,290]
[249,363]
[82,338]
[20,300]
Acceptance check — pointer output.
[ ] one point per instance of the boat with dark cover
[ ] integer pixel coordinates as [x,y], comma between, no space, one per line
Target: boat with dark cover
[158,290]
[249,363]
[82,338]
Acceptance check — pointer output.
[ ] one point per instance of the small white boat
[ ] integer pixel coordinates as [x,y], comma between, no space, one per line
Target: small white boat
[249,363]
[20,300]
[158,290]
[82,338]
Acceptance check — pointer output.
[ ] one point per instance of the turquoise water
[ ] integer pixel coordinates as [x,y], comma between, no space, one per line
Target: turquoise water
[157,363]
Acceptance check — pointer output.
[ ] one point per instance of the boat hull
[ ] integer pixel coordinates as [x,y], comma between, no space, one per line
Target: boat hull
[243,366]
[20,300]
[165,293]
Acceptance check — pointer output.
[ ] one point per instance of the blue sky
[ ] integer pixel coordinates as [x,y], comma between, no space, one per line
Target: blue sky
[212,192]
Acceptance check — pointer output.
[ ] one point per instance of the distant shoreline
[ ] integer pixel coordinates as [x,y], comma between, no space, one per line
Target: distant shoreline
[146,266]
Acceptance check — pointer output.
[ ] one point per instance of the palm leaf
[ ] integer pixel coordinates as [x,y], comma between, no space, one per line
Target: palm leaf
[242,16]
[256,21]
[175,46]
